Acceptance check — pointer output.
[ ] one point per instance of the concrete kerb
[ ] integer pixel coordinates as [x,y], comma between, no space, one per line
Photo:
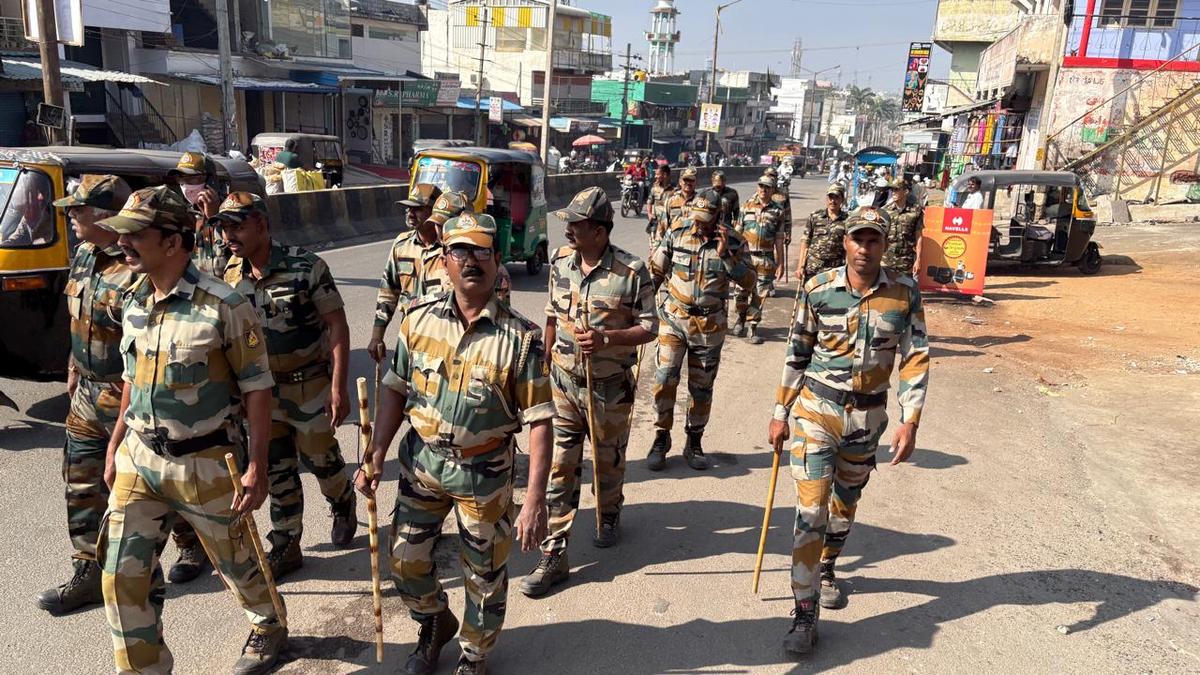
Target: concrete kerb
[320,218]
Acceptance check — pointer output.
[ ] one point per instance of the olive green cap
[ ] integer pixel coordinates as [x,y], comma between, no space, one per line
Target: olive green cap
[162,207]
[106,192]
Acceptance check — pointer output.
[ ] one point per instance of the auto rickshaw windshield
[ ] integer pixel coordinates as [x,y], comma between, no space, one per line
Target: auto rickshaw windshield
[26,220]
[449,175]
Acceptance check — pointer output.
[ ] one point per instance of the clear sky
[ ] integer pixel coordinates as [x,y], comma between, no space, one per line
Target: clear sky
[758,34]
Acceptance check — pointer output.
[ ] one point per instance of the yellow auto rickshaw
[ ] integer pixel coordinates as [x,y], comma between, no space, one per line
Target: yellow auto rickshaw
[36,242]
[509,185]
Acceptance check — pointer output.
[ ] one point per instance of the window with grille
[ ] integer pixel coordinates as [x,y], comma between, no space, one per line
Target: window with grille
[1139,13]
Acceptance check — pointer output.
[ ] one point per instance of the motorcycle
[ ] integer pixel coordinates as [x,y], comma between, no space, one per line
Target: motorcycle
[631,196]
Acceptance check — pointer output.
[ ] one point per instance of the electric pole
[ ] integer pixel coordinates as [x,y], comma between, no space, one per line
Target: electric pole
[52,89]
[550,20]
[228,103]
[712,85]
[629,57]
[480,126]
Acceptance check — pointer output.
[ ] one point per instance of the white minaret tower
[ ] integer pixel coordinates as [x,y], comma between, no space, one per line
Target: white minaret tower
[662,37]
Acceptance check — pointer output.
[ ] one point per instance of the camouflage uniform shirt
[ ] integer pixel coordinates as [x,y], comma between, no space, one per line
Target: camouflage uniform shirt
[849,341]
[210,255]
[677,211]
[727,206]
[469,388]
[190,356]
[95,290]
[761,225]
[618,294]
[823,236]
[904,231]
[294,293]
[695,275]
[658,202]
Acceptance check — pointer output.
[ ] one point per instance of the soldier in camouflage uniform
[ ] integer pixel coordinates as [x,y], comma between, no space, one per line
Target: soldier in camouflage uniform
[822,247]
[656,204]
[415,265]
[595,282]
[308,346]
[195,361]
[679,205]
[728,201]
[762,228]
[468,372]
[195,177]
[98,278]
[906,218]
[697,263]
[852,323]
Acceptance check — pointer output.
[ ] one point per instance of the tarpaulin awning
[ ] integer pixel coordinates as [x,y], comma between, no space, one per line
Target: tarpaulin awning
[527,121]
[468,102]
[72,72]
[264,84]
[979,105]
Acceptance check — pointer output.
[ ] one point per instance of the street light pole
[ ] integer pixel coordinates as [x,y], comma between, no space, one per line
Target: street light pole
[550,19]
[712,83]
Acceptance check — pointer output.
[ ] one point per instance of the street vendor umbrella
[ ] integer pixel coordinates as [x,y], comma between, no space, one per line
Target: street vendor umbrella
[590,139]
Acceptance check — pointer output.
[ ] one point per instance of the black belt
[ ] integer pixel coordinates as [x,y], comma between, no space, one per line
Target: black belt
[843,398]
[694,310]
[168,448]
[302,374]
[581,380]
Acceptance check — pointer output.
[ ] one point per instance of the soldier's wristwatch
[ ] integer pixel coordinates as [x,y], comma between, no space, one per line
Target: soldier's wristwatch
[603,338]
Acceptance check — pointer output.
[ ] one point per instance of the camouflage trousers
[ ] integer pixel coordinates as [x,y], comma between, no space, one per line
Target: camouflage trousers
[148,493]
[703,354]
[832,457]
[300,433]
[90,422]
[749,303]
[612,399]
[480,491]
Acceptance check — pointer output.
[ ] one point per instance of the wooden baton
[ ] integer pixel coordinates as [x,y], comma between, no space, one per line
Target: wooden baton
[368,466]
[591,415]
[252,531]
[762,538]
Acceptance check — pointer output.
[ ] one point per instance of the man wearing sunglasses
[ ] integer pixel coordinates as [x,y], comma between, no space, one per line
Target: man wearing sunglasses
[468,372]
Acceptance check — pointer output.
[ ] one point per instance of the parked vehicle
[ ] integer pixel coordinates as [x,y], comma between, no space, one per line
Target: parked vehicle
[1043,217]
[316,151]
[36,242]
[509,185]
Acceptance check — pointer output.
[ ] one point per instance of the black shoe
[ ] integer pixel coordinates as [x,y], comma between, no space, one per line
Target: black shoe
[657,459]
[693,453]
[466,667]
[261,651]
[552,569]
[802,638]
[739,327]
[610,532]
[755,338]
[81,590]
[285,558]
[345,522]
[832,595]
[435,632]
[191,562]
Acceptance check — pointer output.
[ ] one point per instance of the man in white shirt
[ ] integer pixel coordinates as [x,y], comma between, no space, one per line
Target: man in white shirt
[974,198]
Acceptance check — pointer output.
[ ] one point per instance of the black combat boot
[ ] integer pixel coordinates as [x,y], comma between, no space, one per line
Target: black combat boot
[261,651]
[552,569]
[192,561]
[657,459]
[693,453]
[81,590]
[610,531]
[467,667]
[285,558]
[739,327]
[802,638]
[435,632]
[345,522]
[754,337]
[832,595]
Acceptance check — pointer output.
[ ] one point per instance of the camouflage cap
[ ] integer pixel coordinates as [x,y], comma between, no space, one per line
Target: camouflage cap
[239,206]
[194,164]
[469,228]
[767,180]
[772,172]
[836,190]
[900,183]
[448,206]
[717,173]
[688,174]
[423,194]
[106,192]
[162,207]
[589,203]
[868,217]
[705,206]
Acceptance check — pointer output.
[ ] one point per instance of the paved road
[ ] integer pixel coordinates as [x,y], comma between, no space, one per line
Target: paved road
[956,563]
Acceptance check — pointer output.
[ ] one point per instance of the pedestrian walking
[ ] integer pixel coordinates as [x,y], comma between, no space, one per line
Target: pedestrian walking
[906,218]
[853,322]
[195,176]
[763,229]
[727,200]
[697,262]
[656,205]
[601,308]
[308,346]
[468,372]
[196,370]
[680,202]
[822,247]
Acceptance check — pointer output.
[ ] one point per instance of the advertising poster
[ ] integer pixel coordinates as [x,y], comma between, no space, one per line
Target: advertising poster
[916,74]
[710,117]
[496,110]
[954,250]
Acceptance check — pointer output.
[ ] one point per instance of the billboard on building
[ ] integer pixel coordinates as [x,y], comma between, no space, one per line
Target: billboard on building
[916,76]
[710,117]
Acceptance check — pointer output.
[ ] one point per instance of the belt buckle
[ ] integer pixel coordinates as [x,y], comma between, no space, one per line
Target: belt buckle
[160,444]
